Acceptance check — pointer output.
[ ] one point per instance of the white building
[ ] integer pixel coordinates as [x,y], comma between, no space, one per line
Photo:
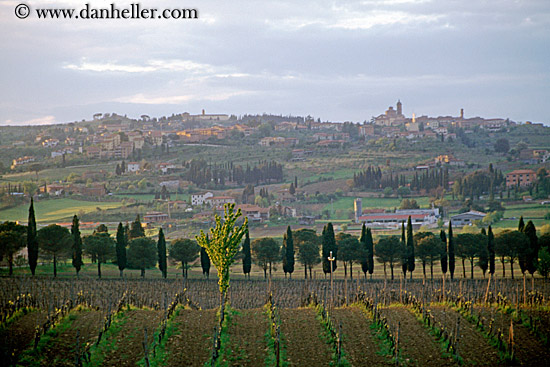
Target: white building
[132,167]
[198,199]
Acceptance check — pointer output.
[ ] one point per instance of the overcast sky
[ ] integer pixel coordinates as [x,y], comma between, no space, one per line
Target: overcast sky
[337,60]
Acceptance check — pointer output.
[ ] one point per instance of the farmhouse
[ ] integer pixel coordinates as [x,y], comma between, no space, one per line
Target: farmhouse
[219,200]
[520,177]
[198,199]
[155,217]
[467,218]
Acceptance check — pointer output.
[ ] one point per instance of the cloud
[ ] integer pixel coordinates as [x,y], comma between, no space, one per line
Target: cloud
[45,120]
[148,67]
[142,98]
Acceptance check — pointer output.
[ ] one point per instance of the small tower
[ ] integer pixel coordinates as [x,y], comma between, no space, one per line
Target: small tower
[462,113]
[399,108]
[358,206]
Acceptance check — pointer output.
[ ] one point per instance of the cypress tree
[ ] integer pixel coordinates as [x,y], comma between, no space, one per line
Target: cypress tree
[451,251]
[77,245]
[205,263]
[121,243]
[443,252]
[247,257]
[483,252]
[533,250]
[288,252]
[410,247]
[32,242]
[328,242]
[403,251]
[491,250]
[136,230]
[363,243]
[370,252]
[521,224]
[161,249]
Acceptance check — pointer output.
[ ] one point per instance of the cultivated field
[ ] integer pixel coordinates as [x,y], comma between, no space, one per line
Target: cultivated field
[68,322]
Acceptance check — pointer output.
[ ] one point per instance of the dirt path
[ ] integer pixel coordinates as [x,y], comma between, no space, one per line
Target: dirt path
[128,344]
[191,343]
[528,349]
[247,338]
[415,342]
[302,336]
[18,335]
[473,346]
[358,342]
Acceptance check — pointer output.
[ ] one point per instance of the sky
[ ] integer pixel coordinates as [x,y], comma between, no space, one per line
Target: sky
[335,60]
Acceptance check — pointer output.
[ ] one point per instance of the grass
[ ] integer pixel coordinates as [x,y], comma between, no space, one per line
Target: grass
[108,341]
[48,211]
[33,356]
[161,353]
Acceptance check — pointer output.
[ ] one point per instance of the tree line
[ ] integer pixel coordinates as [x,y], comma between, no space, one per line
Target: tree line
[131,248]
[202,173]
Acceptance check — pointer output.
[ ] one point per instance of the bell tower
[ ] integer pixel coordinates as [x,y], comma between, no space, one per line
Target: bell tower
[399,108]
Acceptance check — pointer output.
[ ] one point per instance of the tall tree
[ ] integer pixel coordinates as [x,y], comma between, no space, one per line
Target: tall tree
[491,250]
[363,243]
[185,251]
[223,244]
[403,251]
[77,245]
[350,250]
[161,250]
[444,255]
[102,246]
[142,254]
[56,241]
[410,247]
[288,252]
[32,242]
[451,251]
[205,263]
[247,257]
[370,251]
[483,254]
[12,239]
[468,246]
[427,249]
[266,252]
[328,243]
[533,250]
[136,229]
[521,224]
[121,243]
[307,243]
[389,251]
[508,245]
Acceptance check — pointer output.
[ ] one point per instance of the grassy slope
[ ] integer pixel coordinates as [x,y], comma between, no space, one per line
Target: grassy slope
[54,210]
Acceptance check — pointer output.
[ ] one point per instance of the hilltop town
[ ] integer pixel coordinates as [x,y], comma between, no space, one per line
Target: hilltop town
[176,171]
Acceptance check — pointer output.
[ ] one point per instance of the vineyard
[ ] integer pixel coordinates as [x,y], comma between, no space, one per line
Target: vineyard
[72,322]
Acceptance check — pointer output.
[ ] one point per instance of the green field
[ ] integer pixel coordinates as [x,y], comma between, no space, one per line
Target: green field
[55,210]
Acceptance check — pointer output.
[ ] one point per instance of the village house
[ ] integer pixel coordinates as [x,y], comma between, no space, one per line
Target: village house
[155,217]
[215,201]
[21,161]
[254,213]
[132,167]
[199,198]
[520,177]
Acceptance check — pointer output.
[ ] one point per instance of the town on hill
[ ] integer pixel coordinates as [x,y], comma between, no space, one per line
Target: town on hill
[176,172]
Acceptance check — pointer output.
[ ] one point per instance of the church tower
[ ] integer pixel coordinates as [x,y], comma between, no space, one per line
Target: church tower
[399,108]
